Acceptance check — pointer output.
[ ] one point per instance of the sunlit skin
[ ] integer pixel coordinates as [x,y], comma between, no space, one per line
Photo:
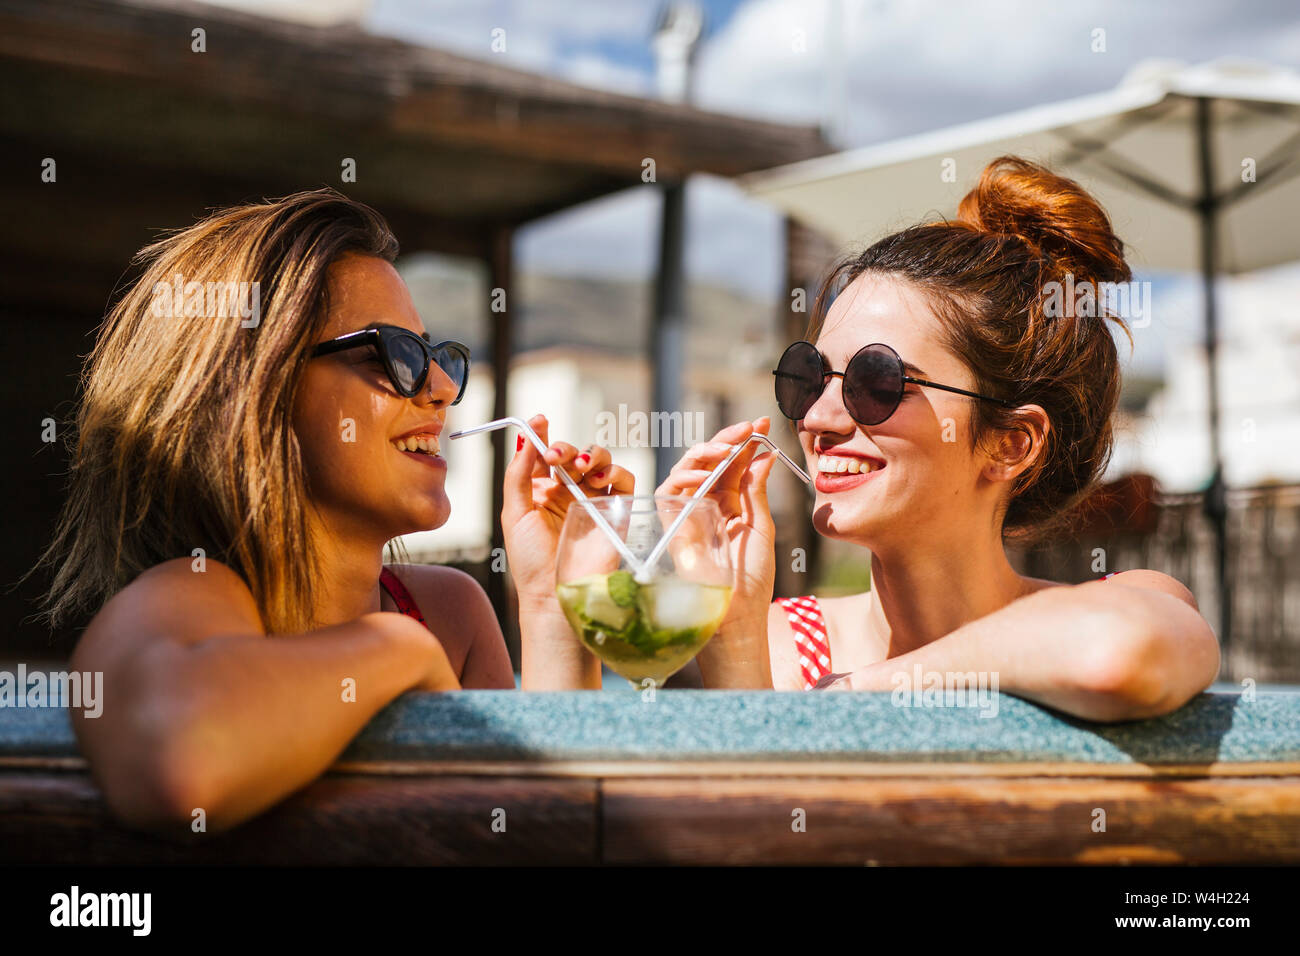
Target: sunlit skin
[346,416]
[367,491]
[932,516]
[210,711]
[944,594]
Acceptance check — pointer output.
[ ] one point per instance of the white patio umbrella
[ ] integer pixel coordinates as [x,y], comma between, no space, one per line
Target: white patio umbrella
[1198,167]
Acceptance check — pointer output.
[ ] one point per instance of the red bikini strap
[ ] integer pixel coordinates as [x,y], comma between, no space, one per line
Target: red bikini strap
[400,595]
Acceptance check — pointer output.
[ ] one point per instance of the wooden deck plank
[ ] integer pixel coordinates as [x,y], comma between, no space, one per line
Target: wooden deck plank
[970,821]
[61,818]
[442,819]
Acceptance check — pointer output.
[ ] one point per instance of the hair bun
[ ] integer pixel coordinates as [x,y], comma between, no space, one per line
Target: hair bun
[1056,217]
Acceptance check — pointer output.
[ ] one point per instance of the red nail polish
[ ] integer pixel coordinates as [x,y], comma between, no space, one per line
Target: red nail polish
[519,445]
[582,457]
[599,474]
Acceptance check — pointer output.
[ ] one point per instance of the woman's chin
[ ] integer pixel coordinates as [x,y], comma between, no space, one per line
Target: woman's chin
[840,524]
[428,515]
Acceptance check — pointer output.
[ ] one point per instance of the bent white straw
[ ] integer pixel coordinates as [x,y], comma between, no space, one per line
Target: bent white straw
[643,574]
[642,571]
[569,483]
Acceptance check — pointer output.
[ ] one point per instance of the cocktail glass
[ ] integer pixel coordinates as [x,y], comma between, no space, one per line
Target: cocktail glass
[645,630]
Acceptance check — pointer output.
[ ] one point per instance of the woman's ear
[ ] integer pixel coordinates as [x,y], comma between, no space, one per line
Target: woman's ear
[1020,445]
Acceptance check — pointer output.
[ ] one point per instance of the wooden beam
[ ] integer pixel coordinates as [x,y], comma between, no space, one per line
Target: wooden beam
[123,76]
[68,243]
[60,817]
[931,822]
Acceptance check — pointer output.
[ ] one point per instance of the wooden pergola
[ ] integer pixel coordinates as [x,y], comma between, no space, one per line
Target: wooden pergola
[147,134]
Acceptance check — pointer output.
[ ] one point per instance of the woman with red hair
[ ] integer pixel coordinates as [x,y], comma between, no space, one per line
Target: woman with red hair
[945,408]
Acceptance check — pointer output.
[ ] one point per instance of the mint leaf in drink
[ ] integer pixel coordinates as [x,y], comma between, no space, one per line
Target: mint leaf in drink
[686,635]
[622,588]
[642,630]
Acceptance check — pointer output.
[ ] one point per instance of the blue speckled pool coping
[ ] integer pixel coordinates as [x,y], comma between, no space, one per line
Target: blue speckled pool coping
[737,725]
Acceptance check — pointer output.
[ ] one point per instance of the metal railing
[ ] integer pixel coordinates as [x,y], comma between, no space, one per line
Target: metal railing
[1263,570]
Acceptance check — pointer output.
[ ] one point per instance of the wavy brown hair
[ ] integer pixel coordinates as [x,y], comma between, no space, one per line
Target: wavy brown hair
[183,438]
[986,274]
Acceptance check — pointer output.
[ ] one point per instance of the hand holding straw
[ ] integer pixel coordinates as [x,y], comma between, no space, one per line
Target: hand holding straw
[569,483]
[644,573]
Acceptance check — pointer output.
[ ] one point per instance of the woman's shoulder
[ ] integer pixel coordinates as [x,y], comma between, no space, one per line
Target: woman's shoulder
[452,601]
[188,586]
[431,574]
[182,600]
[1135,578]
[458,612]
[1156,581]
[436,585]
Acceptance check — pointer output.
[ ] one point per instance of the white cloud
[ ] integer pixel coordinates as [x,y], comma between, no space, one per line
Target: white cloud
[907,66]
[915,65]
[540,36]
[731,240]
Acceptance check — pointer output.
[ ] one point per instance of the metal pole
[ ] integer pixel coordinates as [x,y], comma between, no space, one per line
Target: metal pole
[1215,503]
[500,276]
[668,322]
[676,39]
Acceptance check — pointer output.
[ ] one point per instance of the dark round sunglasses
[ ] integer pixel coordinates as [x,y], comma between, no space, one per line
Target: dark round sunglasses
[406,357]
[871,384]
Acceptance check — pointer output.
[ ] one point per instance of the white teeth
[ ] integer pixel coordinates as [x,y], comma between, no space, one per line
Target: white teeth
[836,465]
[428,444]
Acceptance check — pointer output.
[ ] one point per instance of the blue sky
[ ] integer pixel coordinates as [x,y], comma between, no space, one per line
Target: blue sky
[909,66]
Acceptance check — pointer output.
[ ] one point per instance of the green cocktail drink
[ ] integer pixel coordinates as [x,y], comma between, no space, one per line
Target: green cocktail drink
[643,631]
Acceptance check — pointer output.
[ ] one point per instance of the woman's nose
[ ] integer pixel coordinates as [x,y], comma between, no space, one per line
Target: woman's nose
[439,386]
[828,414]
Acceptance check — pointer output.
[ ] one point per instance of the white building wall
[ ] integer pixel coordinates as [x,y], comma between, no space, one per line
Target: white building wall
[1259,389]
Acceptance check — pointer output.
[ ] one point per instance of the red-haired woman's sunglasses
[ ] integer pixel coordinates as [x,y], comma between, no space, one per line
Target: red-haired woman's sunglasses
[406,357]
[871,384]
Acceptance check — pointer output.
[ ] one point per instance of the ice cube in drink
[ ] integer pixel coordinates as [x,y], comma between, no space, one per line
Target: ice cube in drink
[643,631]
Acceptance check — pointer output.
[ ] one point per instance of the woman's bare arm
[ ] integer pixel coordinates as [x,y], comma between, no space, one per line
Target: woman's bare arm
[1128,648]
[203,710]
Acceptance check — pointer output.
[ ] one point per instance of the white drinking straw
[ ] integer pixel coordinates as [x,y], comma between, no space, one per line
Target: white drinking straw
[644,573]
[569,483]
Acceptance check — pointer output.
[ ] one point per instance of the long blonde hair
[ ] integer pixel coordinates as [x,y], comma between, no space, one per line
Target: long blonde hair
[184,435]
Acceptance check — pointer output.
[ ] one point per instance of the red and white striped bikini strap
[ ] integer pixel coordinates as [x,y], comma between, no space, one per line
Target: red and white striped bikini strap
[810,637]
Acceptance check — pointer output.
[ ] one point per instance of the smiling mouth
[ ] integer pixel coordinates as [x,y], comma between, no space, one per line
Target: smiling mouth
[840,472]
[844,465]
[420,444]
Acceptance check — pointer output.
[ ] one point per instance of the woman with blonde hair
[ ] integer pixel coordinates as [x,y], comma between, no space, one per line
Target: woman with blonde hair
[946,407]
[262,412]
